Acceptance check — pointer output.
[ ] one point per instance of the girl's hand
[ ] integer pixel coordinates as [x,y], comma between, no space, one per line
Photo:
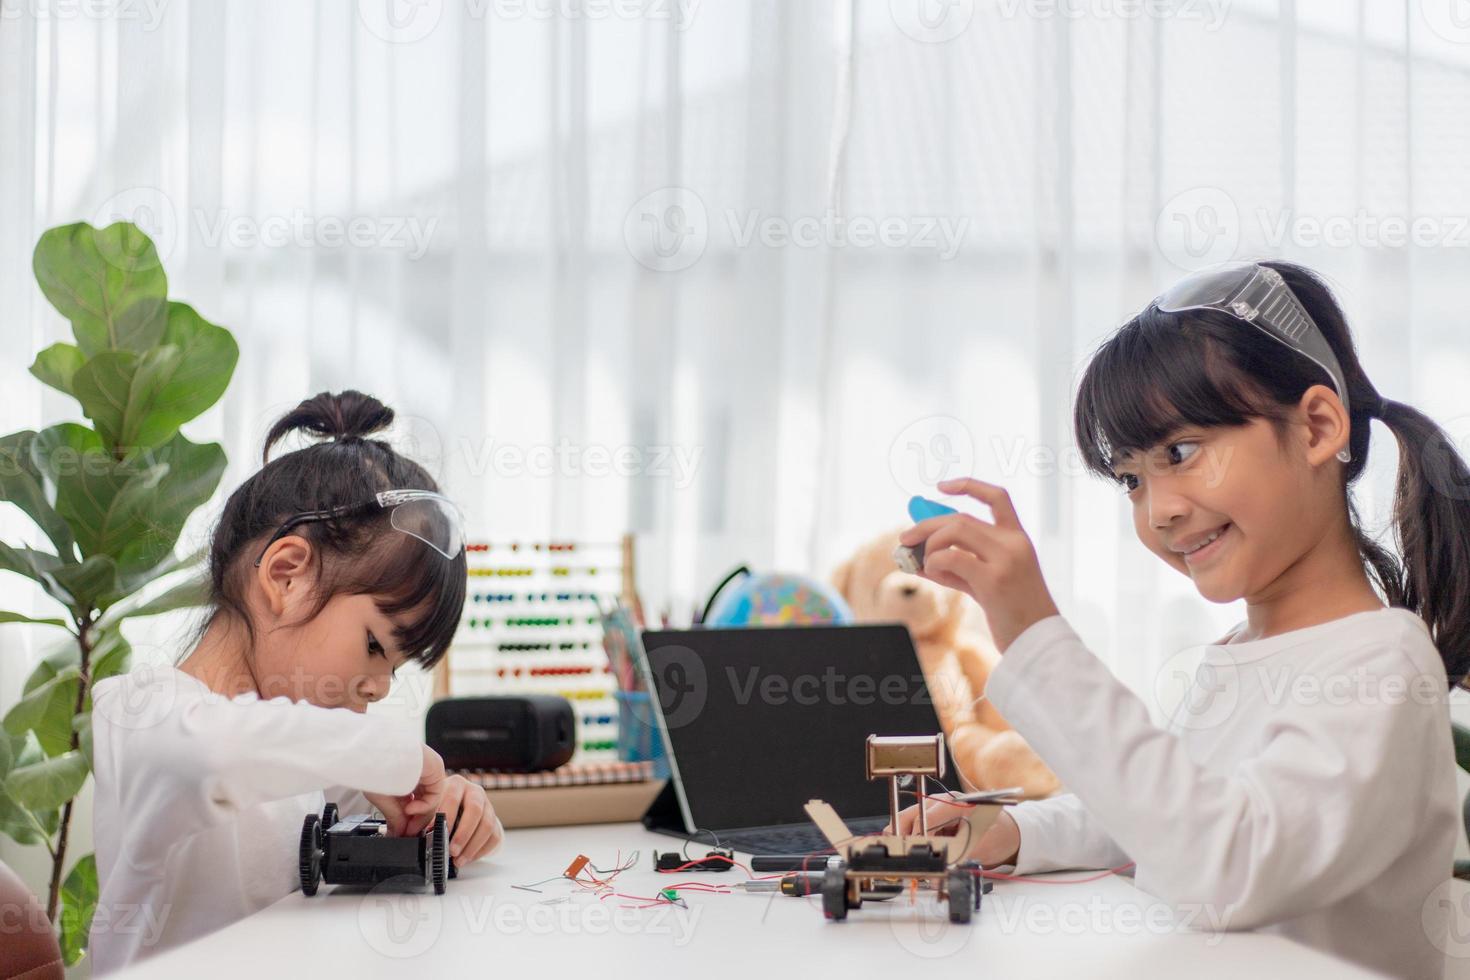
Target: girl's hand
[994,564]
[479,831]
[1000,844]
[409,815]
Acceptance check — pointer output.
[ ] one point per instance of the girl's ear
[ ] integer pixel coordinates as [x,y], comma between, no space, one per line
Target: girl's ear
[285,572]
[1328,425]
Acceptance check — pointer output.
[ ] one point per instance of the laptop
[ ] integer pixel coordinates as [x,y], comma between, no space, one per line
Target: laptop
[757,721]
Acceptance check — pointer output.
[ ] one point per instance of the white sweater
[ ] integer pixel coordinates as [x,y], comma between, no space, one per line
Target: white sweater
[1306,786]
[200,801]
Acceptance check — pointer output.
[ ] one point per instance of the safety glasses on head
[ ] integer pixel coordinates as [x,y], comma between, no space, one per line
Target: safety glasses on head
[1258,295]
[430,517]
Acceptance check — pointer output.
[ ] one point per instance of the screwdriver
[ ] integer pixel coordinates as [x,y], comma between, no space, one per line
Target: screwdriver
[796,884]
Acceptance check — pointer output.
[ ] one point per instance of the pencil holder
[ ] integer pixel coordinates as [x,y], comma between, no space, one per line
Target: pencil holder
[639,739]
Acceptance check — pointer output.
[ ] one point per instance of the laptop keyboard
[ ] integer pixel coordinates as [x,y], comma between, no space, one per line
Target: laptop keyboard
[794,839]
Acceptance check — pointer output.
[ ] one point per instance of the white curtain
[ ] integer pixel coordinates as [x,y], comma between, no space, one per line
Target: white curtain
[738,275]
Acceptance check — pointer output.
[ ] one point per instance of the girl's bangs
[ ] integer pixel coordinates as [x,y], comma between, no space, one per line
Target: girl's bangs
[404,575]
[1157,374]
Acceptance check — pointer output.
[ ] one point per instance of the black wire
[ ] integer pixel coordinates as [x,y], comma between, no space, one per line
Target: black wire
[692,837]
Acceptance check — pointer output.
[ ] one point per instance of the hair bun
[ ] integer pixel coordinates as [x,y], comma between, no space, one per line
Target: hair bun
[345,415]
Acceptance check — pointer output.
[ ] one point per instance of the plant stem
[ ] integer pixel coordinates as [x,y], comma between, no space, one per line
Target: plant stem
[58,856]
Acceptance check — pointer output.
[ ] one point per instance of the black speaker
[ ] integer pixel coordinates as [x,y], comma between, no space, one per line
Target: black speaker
[518,734]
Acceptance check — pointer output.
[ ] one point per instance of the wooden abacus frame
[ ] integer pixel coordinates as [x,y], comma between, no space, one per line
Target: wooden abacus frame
[628,590]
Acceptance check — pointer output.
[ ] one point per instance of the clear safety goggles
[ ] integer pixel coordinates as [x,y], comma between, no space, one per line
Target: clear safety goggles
[430,517]
[1258,295]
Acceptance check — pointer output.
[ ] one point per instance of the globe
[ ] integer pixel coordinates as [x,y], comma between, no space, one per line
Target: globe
[778,599]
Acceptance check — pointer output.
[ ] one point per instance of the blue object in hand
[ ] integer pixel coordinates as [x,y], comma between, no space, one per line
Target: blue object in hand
[911,560]
[922,508]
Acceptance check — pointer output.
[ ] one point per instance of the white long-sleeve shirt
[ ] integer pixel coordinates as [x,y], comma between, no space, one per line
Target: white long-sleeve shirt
[200,801]
[1306,786]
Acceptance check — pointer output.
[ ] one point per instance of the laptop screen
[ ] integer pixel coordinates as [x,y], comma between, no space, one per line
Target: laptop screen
[760,720]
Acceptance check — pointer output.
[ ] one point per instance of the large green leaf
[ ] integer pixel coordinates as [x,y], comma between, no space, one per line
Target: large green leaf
[111,654]
[57,364]
[132,581]
[132,509]
[10,746]
[105,500]
[108,282]
[82,724]
[47,784]
[1461,736]
[37,566]
[21,484]
[78,903]
[140,400]
[13,617]
[47,710]
[186,595]
[88,581]
[117,390]
[193,472]
[16,821]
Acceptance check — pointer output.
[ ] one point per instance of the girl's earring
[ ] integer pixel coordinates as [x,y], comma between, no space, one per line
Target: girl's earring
[1344,455]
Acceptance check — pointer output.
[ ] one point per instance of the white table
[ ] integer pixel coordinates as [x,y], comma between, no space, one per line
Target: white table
[483,927]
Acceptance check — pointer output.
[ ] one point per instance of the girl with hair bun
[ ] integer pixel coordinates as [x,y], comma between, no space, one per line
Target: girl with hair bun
[329,569]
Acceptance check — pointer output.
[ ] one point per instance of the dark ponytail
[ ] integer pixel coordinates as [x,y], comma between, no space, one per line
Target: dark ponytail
[360,555]
[1431,519]
[1163,370]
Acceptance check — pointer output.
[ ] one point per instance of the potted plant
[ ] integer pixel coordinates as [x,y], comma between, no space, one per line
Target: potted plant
[110,498]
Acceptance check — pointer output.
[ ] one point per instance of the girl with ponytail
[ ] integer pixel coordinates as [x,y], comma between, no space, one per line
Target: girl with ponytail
[329,569]
[1306,785]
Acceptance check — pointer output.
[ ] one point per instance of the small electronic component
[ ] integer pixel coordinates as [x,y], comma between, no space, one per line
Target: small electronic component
[719,859]
[911,560]
[578,863]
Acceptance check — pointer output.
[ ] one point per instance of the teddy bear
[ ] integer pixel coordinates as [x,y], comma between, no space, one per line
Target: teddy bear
[956,654]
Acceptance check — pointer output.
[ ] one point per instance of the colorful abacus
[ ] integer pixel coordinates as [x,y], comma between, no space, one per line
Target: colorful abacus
[542,635]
